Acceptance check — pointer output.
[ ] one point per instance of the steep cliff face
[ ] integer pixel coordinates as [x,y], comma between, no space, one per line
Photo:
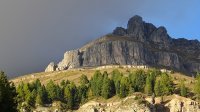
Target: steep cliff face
[140,44]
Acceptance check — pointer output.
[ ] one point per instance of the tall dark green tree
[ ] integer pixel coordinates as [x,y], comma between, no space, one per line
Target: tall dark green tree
[8,95]
[124,87]
[167,84]
[183,89]
[107,88]
[148,86]
[116,78]
[82,93]
[54,91]
[158,88]
[137,80]
[96,83]
[164,85]
[71,95]
[21,93]
[42,96]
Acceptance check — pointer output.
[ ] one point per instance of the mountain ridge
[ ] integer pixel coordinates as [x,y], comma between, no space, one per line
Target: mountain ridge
[140,43]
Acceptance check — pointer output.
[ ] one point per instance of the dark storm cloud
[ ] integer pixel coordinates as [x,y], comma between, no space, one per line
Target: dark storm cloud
[35,32]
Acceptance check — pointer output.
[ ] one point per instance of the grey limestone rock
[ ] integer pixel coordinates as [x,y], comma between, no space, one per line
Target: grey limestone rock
[120,31]
[51,67]
[140,44]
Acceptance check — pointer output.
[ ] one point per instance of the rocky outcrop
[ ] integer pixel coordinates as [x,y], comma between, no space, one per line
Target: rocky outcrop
[120,31]
[51,67]
[128,104]
[182,104]
[172,103]
[71,60]
[140,44]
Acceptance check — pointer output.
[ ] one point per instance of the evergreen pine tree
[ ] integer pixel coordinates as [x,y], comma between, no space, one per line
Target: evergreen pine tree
[164,85]
[8,95]
[167,84]
[148,86]
[124,87]
[138,79]
[84,80]
[83,93]
[116,78]
[183,89]
[106,88]
[52,91]
[158,88]
[96,83]
[71,95]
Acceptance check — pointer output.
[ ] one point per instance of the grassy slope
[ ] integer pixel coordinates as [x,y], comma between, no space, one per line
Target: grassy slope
[74,74]
[58,76]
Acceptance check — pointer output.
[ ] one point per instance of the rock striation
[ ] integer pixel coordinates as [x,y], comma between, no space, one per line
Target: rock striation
[140,43]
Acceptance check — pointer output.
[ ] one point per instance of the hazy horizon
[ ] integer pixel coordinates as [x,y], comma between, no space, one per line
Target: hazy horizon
[34,33]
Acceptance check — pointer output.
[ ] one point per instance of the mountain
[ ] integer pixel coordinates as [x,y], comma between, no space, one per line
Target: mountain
[140,44]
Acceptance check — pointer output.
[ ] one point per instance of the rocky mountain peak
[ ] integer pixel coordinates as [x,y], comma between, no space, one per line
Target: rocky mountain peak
[144,32]
[119,31]
[140,43]
[136,28]
[135,20]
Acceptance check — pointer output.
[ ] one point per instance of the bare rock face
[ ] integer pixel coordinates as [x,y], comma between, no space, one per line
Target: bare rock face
[140,44]
[51,67]
[136,28]
[181,104]
[129,104]
[120,31]
[71,60]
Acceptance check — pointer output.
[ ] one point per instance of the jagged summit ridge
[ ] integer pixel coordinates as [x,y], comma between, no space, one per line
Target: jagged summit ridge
[143,31]
[140,43]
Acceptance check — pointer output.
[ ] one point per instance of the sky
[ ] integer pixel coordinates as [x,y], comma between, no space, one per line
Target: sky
[35,32]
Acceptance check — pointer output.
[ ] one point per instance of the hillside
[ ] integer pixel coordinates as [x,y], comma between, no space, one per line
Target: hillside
[135,101]
[74,74]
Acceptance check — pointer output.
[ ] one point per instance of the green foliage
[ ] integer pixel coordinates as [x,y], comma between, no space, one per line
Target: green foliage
[150,81]
[137,80]
[167,84]
[124,87]
[158,88]
[84,80]
[96,83]
[83,93]
[107,88]
[116,77]
[30,98]
[21,93]
[164,85]
[54,91]
[39,100]
[197,86]
[71,95]
[148,86]
[8,95]
[183,89]
[41,95]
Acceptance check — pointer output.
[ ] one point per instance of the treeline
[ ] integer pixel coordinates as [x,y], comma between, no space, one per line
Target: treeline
[36,94]
[71,95]
[101,84]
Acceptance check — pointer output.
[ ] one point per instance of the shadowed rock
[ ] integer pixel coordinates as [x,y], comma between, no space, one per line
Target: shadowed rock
[140,44]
